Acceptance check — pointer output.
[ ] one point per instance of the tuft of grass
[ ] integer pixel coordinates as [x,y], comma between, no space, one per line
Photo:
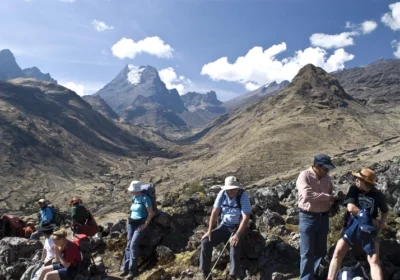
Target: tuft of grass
[193,187]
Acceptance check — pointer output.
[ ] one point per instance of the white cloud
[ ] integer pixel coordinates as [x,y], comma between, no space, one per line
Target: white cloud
[172,80]
[127,48]
[259,67]
[251,86]
[327,41]
[392,19]
[368,26]
[78,88]
[101,26]
[396,46]
[68,1]
[364,28]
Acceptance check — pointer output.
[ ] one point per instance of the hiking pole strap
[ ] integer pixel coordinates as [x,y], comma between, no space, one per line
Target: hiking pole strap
[223,250]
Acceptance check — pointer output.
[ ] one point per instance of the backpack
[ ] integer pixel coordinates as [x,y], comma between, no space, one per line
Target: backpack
[58,218]
[354,272]
[238,205]
[87,265]
[150,191]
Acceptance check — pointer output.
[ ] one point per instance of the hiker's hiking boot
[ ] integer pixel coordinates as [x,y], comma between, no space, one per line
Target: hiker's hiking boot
[132,275]
[124,273]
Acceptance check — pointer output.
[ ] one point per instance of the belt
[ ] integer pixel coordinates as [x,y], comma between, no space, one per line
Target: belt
[315,213]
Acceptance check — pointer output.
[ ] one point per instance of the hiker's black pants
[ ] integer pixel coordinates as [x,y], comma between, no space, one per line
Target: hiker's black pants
[220,235]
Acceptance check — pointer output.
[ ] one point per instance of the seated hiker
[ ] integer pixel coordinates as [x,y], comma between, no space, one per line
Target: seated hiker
[48,254]
[29,228]
[46,215]
[362,229]
[82,220]
[140,217]
[234,206]
[12,226]
[67,257]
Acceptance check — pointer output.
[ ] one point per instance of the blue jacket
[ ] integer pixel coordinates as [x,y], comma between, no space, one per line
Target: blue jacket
[46,215]
[361,233]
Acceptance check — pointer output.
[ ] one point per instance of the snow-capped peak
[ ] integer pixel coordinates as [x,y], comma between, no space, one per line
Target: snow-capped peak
[134,74]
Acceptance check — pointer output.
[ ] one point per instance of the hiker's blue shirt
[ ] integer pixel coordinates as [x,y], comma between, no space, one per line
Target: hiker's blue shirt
[232,216]
[139,205]
[46,215]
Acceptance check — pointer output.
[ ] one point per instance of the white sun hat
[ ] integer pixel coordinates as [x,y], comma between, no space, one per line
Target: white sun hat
[135,186]
[231,183]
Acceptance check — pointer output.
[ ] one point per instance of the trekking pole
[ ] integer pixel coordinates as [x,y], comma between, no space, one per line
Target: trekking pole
[223,250]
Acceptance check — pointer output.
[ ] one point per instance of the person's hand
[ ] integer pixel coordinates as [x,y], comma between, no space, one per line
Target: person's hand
[234,240]
[56,250]
[142,227]
[207,235]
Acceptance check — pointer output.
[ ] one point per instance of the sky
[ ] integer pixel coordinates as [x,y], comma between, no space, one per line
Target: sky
[230,46]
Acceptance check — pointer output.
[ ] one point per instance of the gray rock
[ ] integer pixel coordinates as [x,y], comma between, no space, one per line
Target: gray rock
[119,226]
[164,255]
[267,198]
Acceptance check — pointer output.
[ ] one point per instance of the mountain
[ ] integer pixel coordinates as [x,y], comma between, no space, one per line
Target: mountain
[252,96]
[138,96]
[377,84]
[53,144]
[9,69]
[35,73]
[98,104]
[202,108]
[283,131]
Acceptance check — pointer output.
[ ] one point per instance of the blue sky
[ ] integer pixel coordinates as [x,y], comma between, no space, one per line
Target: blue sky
[80,42]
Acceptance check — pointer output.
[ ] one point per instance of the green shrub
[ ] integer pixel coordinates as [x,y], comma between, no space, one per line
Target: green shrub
[192,188]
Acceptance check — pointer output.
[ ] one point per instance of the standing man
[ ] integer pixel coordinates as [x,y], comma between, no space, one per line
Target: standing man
[46,215]
[315,197]
[234,205]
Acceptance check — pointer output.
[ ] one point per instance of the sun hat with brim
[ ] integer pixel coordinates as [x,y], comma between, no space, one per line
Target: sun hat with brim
[231,183]
[46,226]
[366,175]
[324,160]
[41,201]
[135,186]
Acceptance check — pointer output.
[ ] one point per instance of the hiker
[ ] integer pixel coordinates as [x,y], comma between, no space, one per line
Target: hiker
[29,228]
[47,254]
[67,258]
[46,215]
[233,206]
[140,217]
[82,220]
[315,189]
[362,228]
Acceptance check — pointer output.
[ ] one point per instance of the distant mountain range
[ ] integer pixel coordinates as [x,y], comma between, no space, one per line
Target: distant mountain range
[9,69]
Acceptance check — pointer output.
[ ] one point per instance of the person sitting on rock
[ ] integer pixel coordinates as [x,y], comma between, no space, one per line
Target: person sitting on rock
[140,217]
[67,259]
[233,206]
[82,221]
[362,228]
[45,215]
[47,254]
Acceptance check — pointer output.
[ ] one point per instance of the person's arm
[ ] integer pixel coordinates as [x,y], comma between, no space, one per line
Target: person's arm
[384,212]
[353,209]
[73,214]
[150,212]
[44,254]
[308,193]
[246,212]
[214,215]
[60,258]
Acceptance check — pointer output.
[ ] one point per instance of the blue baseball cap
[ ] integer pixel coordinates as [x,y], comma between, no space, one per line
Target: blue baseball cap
[324,160]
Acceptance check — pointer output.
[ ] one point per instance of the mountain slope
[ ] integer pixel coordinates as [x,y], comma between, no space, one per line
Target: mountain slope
[202,108]
[282,132]
[138,96]
[98,104]
[252,96]
[54,144]
[378,83]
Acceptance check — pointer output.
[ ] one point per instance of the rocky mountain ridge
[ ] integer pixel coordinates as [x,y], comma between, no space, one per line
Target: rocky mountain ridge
[9,69]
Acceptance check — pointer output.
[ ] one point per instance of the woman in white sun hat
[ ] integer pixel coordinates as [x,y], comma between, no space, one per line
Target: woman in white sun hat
[234,206]
[139,219]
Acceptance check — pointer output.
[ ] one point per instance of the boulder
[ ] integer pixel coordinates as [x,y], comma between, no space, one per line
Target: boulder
[164,255]
[267,198]
[119,226]
[269,220]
